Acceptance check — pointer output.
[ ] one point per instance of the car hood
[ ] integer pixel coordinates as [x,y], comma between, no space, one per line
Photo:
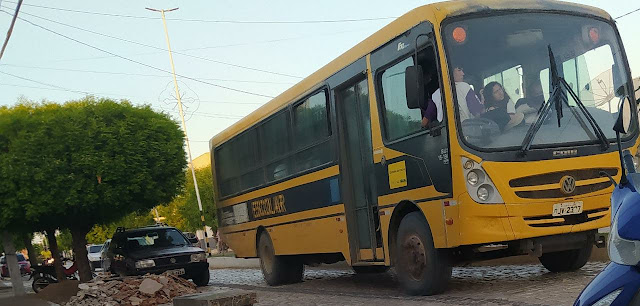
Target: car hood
[162,252]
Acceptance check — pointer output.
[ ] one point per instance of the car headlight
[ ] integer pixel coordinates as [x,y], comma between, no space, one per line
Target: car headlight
[147,263]
[622,251]
[608,299]
[198,257]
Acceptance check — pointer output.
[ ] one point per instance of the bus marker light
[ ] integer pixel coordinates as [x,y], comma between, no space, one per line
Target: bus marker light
[449,221]
[459,34]
[594,35]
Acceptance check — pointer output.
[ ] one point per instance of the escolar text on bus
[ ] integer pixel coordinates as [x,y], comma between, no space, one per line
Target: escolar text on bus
[268,206]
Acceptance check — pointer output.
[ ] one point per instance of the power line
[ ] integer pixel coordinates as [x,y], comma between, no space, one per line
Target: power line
[143,64]
[213,21]
[629,13]
[13,22]
[45,84]
[136,74]
[159,48]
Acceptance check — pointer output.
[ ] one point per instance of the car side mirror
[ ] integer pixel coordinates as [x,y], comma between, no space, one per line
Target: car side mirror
[414,86]
[623,123]
[194,240]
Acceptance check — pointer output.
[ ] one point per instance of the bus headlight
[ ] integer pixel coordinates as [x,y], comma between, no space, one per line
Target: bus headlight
[484,192]
[473,178]
[479,184]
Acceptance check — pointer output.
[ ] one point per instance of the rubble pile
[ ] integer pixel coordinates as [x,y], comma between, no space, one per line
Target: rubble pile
[134,291]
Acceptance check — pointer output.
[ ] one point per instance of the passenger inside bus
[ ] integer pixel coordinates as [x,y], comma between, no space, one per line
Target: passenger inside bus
[431,112]
[532,102]
[499,107]
[469,105]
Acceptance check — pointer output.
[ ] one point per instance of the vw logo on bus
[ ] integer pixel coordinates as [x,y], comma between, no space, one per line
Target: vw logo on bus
[568,184]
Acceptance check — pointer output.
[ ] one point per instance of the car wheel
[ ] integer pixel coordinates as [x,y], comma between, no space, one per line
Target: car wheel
[421,268]
[278,270]
[202,278]
[565,261]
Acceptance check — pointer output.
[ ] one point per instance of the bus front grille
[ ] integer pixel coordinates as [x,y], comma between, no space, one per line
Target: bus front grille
[550,220]
[555,177]
[549,185]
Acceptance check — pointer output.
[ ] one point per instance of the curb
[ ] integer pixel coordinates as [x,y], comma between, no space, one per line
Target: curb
[233,263]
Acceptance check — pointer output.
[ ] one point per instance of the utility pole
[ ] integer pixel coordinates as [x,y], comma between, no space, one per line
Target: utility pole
[184,125]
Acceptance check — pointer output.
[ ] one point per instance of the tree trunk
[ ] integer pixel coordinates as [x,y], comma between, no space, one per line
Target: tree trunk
[55,254]
[33,257]
[79,243]
[12,263]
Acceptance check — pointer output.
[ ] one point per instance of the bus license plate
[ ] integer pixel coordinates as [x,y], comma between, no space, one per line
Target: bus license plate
[176,272]
[569,208]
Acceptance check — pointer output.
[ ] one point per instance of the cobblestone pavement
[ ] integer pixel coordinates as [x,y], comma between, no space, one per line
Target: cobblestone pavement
[527,285]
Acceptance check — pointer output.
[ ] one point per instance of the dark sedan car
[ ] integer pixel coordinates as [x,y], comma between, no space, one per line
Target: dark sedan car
[155,250]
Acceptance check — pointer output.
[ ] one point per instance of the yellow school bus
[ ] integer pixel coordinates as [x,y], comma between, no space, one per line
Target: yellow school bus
[462,131]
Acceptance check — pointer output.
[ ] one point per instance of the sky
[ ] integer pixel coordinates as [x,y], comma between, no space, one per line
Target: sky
[117,49]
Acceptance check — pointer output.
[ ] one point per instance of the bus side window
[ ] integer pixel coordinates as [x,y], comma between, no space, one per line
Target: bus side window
[311,131]
[399,120]
[274,138]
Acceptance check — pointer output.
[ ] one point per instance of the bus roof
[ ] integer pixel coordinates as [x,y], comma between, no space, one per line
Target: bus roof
[435,12]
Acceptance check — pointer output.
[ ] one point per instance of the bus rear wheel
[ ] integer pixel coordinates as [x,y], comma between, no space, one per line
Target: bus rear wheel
[278,270]
[565,261]
[421,268]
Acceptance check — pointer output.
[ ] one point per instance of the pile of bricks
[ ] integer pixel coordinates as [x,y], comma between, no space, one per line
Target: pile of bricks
[134,291]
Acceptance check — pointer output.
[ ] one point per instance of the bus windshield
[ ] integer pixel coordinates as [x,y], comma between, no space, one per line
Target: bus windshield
[501,67]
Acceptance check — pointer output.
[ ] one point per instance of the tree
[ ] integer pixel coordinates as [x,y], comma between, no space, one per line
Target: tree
[92,162]
[183,211]
[100,233]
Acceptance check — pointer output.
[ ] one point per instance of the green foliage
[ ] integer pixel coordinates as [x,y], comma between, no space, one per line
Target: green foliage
[100,233]
[183,211]
[64,240]
[17,243]
[86,162]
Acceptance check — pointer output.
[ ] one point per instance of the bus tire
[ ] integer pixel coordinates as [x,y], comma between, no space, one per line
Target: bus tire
[421,268]
[370,269]
[278,270]
[564,261]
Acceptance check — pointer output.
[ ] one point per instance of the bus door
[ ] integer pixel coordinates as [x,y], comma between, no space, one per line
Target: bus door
[358,182]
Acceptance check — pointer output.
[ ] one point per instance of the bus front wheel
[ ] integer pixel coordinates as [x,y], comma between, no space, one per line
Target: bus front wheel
[565,261]
[421,268]
[278,270]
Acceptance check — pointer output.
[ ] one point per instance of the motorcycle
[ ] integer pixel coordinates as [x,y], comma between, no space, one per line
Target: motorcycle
[619,282]
[45,275]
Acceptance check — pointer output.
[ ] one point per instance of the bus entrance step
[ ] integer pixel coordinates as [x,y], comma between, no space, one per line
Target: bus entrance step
[232,297]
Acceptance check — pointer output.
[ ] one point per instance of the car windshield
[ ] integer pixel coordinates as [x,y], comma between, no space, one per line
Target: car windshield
[95,248]
[159,238]
[504,61]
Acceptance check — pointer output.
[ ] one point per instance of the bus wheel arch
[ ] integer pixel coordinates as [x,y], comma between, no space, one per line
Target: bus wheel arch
[400,211]
[261,229]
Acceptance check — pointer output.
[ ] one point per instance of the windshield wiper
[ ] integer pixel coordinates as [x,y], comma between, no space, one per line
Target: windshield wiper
[558,96]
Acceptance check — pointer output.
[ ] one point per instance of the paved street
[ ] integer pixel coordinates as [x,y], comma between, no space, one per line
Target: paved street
[499,285]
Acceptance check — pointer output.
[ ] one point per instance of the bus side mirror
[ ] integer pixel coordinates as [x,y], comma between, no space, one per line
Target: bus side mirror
[414,86]
[623,124]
